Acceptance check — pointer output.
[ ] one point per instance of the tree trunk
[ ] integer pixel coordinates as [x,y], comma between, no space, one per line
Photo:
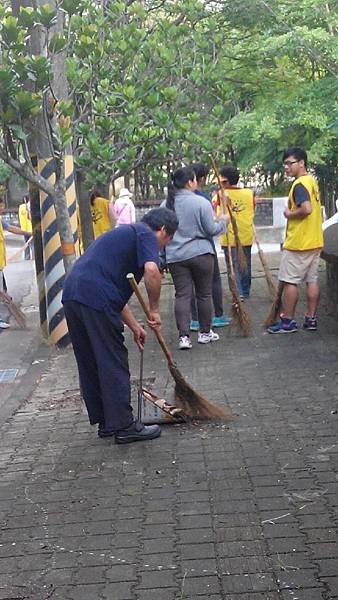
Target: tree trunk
[63,223]
[86,222]
[126,179]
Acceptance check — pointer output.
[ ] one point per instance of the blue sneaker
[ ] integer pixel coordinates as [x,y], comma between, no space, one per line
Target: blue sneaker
[283,326]
[310,323]
[194,326]
[221,321]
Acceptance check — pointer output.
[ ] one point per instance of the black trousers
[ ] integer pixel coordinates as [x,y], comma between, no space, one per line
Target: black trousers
[195,272]
[217,293]
[102,360]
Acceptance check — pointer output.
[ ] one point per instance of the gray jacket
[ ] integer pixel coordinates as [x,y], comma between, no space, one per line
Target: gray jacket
[196,224]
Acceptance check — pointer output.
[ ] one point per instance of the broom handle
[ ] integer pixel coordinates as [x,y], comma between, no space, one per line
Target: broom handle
[146,311]
[224,197]
[259,248]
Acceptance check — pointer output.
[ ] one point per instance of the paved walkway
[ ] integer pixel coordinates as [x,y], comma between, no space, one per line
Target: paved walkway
[240,511]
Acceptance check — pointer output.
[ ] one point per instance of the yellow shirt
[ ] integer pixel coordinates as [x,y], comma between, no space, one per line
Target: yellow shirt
[24,218]
[100,216]
[243,208]
[305,233]
[2,248]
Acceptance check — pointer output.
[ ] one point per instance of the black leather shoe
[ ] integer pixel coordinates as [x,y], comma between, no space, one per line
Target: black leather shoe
[137,432]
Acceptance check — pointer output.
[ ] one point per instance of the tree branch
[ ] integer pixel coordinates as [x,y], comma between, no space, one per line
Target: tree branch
[26,172]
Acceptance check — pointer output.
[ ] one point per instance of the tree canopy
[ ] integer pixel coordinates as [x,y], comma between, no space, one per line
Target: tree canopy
[153,84]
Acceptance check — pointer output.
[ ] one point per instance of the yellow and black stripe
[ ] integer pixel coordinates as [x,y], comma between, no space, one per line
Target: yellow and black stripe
[54,272]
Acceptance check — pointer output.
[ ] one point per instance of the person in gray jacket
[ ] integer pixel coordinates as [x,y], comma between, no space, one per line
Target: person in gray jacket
[190,255]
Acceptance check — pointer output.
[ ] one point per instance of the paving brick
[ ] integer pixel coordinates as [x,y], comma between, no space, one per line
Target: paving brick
[195,536]
[157,545]
[232,534]
[191,551]
[244,564]
[331,583]
[157,594]
[281,530]
[164,560]
[158,531]
[90,575]
[292,561]
[193,521]
[194,508]
[327,567]
[79,592]
[199,567]
[248,583]
[199,586]
[117,591]
[156,579]
[308,594]
[324,550]
[287,545]
[266,595]
[298,579]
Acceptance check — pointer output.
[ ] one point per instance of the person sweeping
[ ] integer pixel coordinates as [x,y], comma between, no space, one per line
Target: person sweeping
[190,255]
[243,207]
[5,299]
[95,318]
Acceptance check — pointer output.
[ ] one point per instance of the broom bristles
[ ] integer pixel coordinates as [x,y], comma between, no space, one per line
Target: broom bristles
[241,259]
[14,310]
[275,306]
[240,317]
[193,403]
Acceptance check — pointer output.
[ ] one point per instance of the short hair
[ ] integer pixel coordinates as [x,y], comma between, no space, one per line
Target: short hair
[200,170]
[230,173]
[297,152]
[161,217]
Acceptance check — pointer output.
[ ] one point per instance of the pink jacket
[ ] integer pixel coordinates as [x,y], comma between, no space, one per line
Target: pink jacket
[124,211]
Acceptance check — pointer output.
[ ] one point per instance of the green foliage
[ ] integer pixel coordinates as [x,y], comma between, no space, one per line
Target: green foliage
[25,76]
[47,15]
[153,84]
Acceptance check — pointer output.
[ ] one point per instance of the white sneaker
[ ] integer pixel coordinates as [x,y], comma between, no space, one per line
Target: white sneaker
[184,343]
[4,325]
[206,338]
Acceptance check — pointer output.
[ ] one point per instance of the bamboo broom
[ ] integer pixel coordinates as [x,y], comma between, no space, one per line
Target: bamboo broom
[239,315]
[14,310]
[272,287]
[239,248]
[275,306]
[193,403]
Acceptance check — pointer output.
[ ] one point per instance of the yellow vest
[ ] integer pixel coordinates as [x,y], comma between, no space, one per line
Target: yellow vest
[305,233]
[24,218]
[2,248]
[100,216]
[242,200]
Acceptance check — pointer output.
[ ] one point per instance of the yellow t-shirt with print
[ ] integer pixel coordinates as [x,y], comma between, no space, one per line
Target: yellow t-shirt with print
[24,218]
[305,233]
[2,248]
[243,208]
[100,216]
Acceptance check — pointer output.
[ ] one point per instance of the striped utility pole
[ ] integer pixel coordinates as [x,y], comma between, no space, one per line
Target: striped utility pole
[53,253]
